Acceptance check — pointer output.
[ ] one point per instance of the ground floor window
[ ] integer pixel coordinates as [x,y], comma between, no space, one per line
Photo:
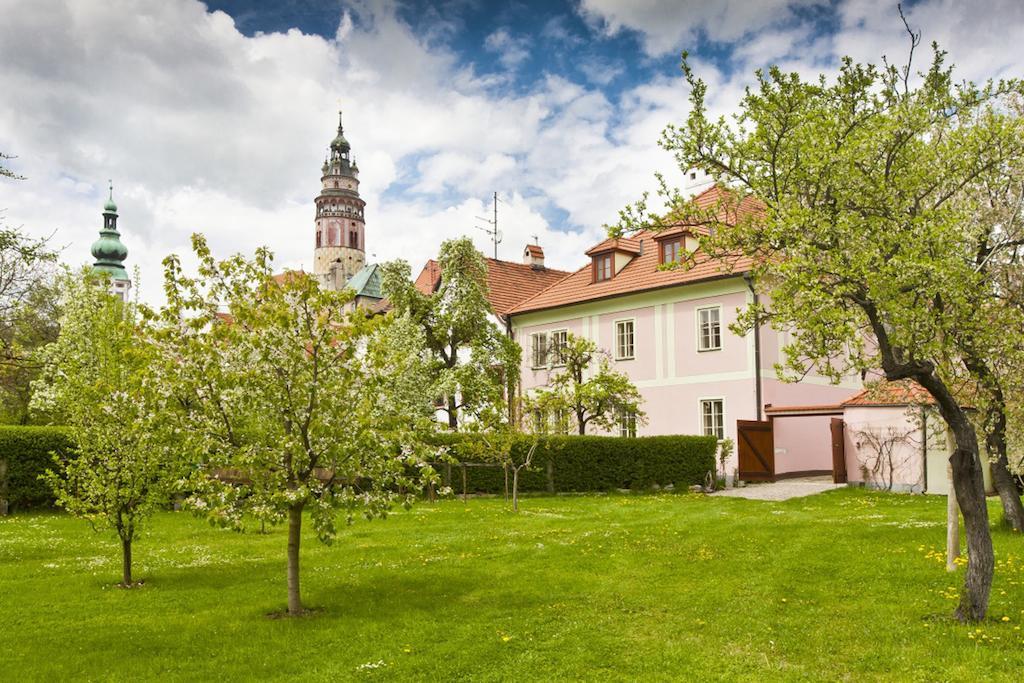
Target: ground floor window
[712,413]
[627,423]
[560,421]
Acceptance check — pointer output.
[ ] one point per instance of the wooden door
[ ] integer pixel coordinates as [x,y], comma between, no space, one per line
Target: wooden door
[756,450]
[838,451]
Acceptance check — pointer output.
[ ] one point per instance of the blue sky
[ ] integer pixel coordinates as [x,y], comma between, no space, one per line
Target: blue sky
[215,117]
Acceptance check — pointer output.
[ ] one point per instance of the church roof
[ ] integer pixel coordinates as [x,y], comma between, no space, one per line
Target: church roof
[366,282]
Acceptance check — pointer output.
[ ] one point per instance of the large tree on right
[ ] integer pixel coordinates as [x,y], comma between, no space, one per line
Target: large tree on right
[863,241]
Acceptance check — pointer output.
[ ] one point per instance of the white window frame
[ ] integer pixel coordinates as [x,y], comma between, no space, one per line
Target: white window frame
[700,328]
[533,350]
[700,415]
[557,361]
[627,424]
[632,341]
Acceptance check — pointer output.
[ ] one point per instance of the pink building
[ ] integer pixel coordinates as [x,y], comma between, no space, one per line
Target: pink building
[667,328]
[889,436]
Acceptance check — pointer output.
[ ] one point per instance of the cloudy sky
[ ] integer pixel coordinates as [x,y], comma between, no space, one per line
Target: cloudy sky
[215,117]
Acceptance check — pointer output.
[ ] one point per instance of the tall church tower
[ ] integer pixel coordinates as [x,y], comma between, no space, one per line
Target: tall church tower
[340,250]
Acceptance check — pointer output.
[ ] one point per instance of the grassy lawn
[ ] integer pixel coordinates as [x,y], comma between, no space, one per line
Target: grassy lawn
[845,585]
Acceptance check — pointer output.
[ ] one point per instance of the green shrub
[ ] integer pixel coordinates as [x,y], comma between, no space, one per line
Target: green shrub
[28,452]
[590,463]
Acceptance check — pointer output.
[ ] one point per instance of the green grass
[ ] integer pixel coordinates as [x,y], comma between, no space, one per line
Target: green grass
[846,585]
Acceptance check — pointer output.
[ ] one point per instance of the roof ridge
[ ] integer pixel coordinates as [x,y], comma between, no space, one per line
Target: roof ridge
[527,265]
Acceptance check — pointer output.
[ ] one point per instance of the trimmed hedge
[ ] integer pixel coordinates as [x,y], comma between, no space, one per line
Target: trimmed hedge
[27,453]
[565,464]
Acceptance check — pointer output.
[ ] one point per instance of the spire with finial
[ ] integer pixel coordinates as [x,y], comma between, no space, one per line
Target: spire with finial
[339,142]
[108,250]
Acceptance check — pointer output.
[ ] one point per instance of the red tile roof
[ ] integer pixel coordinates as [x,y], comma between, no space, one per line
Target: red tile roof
[508,283]
[429,278]
[903,392]
[642,273]
[626,244]
[820,408]
[534,250]
[281,278]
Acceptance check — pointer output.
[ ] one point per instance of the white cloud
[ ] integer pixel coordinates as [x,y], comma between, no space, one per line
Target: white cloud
[511,51]
[204,128]
[673,25]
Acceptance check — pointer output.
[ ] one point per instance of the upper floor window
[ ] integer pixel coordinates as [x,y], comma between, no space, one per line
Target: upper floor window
[670,250]
[627,423]
[603,267]
[557,342]
[712,415]
[319,238]
[353,239]
[539,349]
[709,328]
[624,339]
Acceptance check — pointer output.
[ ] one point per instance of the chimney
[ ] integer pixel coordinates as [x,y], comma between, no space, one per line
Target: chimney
[533,256]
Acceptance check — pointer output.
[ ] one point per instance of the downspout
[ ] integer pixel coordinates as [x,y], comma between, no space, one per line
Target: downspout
[513,418]
[757,347]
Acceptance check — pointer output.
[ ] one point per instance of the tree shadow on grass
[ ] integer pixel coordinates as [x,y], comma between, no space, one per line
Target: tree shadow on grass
[400,593]
[371,595]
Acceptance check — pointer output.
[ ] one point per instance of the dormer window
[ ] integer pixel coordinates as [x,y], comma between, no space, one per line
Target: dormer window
[603,269]
[670,249]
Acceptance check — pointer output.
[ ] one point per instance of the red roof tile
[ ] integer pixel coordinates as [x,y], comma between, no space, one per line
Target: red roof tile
[903,392]
[626,244]
[508,283]
[642,272]
[429,278]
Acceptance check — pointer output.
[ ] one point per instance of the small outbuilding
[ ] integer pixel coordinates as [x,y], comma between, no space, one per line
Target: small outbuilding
[888,436]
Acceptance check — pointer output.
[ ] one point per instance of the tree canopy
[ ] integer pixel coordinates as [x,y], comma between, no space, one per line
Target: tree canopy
[862,240]
[474,361]
[98,379]
[290,402]
[586,389]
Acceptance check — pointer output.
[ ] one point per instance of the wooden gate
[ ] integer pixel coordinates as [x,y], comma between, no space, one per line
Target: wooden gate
[756,450]
[838,451]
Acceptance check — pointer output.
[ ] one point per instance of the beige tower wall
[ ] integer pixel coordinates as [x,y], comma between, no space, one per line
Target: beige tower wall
[333,274]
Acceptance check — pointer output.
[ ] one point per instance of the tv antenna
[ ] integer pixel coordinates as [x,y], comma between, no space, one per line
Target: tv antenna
[493,231]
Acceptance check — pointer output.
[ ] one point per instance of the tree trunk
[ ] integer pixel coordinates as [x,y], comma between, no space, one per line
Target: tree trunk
[995,443]
[294,536]
[126,562]
[970,494]
[1007,490]
[1002,480]
[969,486]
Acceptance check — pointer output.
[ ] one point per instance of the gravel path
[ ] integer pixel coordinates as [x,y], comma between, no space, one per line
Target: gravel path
[782,490]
